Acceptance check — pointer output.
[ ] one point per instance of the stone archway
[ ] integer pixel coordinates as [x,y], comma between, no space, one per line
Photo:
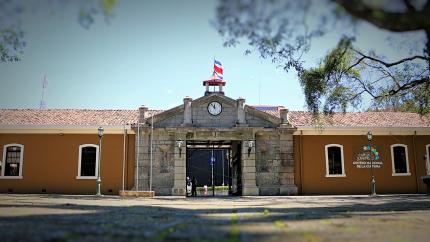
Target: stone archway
[226,173]
[245,182]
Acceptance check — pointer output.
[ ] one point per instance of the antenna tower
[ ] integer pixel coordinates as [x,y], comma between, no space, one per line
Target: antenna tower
[42,100]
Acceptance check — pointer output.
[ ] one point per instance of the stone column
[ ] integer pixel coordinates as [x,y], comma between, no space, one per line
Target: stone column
[285,120]
[187,112]
[241,121]
[286,174]
[143,113]
[179,167]
[142,158]
[249,187]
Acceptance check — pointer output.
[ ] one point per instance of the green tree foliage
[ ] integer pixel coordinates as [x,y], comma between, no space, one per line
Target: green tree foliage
[331,80]
[12,36]
[283,31]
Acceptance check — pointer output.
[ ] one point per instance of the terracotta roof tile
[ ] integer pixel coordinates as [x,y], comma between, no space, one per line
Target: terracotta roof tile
[349,119]
[363,119]
[78,117]
[87,117]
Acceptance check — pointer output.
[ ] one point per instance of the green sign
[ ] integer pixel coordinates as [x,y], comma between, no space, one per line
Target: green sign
[367,157]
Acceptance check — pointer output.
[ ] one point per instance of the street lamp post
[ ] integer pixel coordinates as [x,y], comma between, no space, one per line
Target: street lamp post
[99,180]
[372,181]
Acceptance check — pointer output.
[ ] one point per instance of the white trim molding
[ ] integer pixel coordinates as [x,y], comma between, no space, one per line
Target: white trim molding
[327,172]
[407,160]
[63,129]
[11,177]
[428,158]
[79,177]
[3,163]
[311,130]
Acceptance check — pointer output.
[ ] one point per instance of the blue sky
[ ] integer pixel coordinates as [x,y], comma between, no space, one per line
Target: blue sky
[153,54]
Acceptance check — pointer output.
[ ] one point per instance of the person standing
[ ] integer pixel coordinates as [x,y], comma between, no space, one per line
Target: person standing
[194,187]
[188,186]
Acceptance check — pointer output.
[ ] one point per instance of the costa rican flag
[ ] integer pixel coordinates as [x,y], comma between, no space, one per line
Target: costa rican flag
[218,69]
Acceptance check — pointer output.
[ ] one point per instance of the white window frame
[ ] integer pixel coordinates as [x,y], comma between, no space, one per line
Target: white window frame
[3,163]
[327,172]
[408,173]
[79,162]
[428,159]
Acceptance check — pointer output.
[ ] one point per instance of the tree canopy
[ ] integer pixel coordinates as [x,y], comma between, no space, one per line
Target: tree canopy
[282,31]
[12,36]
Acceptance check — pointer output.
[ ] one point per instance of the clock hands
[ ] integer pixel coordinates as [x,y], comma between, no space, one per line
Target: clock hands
[214,108]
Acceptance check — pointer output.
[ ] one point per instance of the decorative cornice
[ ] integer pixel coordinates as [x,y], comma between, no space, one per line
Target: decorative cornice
[63,129]
[362,131]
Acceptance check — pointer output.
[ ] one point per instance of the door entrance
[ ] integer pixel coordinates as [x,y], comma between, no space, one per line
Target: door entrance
[215,166]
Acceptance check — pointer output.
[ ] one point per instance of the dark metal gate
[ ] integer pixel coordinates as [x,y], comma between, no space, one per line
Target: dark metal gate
[213,166]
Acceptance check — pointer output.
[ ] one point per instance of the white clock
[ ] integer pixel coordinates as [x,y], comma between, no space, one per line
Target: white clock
[214,108]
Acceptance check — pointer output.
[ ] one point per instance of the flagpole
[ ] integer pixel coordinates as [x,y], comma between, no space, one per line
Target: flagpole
[222,157]
[212,164]
[214,74]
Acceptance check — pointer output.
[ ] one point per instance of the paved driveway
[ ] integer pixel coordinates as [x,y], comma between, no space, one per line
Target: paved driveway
[303,218]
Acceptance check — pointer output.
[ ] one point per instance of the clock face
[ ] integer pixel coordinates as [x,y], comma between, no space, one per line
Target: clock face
[214,108]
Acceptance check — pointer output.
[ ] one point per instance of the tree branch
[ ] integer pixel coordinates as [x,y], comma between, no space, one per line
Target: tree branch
[386,64]
[356,63]
[365,89]
[405,86]
[356,95]
[386,72]
[393,21]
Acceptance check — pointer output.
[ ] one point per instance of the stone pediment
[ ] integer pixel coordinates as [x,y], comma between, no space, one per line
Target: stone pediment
[215,97]
[255,114]
[194,113]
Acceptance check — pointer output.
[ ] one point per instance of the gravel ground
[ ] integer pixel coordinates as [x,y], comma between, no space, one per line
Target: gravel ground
[393,218]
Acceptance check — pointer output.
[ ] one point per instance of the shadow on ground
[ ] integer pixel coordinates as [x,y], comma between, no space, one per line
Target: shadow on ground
[159,222]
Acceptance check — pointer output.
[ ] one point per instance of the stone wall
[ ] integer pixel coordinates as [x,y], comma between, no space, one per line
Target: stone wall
[275,163]
[286,152]
[201,118]
[253,121]
[174,121]
[266,167]
[162,163]
[267,163]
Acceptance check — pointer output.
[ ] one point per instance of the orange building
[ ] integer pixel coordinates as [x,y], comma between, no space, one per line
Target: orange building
[265,150]
[44,151]
[400,140]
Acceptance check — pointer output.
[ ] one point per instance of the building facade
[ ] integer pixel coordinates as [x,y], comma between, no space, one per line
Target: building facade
[261,150]
[235,126]
[43,151]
